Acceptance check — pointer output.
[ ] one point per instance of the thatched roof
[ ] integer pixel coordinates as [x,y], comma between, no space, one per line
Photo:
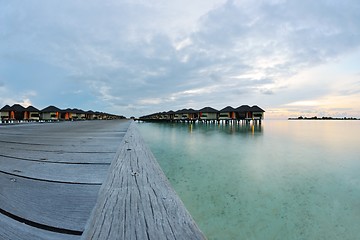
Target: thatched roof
[255,108]
[186,111]
[190,110]
[227,109]
[6,108]
[51,109]
[32,109]
[243,108]
[77,111]
[180,111]
[208,110]
[68,110]
[17,108]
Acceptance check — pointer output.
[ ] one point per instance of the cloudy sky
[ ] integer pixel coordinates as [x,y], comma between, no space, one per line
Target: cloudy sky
[135,57]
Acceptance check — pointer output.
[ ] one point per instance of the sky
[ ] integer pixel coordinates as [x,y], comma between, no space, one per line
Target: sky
[136,57]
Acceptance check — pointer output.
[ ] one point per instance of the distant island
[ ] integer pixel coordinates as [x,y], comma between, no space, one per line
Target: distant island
[323,118]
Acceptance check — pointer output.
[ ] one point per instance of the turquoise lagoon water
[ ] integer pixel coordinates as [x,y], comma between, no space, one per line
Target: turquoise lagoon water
[280,180]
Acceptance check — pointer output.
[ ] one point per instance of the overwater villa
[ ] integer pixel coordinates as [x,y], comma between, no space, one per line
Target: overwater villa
[257,112]
[32,114]
[90,115]
[208,114]
[192,114]
[178,114]
[18,113]
[50,113]
[78,114]
[186,114]
[244,113]
[5,113]
[170,115]
[67,114]
[227,113]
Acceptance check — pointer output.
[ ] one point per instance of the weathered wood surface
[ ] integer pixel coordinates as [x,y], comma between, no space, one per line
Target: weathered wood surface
[136,201]
[59,142]
[65,206]
[60,156]
[55,172]
[50,175]
[78,146]
[11,229]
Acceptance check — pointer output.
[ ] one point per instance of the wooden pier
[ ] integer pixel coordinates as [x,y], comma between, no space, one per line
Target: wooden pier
[85,180]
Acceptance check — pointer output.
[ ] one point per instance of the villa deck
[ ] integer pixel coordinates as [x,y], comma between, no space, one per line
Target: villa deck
[85,180]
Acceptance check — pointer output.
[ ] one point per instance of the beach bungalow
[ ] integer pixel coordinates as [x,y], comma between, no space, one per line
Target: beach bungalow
[163,116]
[227,113]
[17,112]
[66,114]
[78,114]
[257,113]
[208,113]
[100,115]
[105,116]
[171,114]
[154,116]
[5,113]
[108,116]
[183,114]
[192,114]
[243,112]
[90,115]
[178,115]
[31,113]
[50,113]
[96,115]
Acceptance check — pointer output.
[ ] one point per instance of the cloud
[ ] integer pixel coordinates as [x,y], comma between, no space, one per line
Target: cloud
[9,98]
[140,56]
[150,101]
[303,103]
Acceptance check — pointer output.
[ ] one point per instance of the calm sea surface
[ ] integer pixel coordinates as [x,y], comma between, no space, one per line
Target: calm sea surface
[280,180]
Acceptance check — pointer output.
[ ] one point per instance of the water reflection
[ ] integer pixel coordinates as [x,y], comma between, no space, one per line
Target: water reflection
[246,129]
[241,128]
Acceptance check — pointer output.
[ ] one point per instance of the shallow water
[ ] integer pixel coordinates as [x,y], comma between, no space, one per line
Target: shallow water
[280,180]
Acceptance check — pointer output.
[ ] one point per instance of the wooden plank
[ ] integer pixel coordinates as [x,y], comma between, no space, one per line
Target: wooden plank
[136,201]
[54,142]
[60,156]
[82,127]
[58,172]
[50,175]
[75,136]
[63,141]
[64,206]
[27,137]
[59,147]
[11,229]
[70,137]
[45,133]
